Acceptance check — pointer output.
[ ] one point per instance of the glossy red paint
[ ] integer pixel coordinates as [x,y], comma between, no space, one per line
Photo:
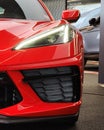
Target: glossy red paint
[48,56]
[30,56]
[71,15]
[30,105]
[12,32]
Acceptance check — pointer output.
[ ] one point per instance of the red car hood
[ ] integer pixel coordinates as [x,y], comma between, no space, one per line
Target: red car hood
[13,31]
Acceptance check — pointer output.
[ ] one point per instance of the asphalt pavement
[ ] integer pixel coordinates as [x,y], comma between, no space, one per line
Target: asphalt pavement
[92,110]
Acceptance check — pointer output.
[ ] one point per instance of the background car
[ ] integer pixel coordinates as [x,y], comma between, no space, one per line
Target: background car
[90,31]
[41,64]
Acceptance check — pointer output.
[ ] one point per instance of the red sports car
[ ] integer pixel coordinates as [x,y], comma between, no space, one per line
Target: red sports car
[41,68]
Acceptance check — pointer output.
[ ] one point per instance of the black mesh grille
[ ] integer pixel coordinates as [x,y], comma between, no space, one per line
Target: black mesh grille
[60,84]
[8,92]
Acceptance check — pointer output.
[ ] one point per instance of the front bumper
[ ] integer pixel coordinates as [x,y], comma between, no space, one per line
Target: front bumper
[15,120]
[40,93]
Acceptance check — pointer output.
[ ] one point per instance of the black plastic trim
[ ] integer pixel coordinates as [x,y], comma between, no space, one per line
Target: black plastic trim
[16,120]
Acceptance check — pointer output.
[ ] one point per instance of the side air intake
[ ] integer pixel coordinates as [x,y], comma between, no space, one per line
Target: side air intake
[59,84]
[9,95]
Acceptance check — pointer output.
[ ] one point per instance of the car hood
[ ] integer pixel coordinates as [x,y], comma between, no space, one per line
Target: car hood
[14,31]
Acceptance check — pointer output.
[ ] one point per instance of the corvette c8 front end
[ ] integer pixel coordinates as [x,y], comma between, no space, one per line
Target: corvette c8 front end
[41,71]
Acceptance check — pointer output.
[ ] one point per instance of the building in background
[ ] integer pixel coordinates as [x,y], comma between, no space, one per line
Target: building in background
[56,7]
[83,5]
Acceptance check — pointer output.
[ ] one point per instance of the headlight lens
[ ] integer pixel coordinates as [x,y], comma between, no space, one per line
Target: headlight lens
[58,35]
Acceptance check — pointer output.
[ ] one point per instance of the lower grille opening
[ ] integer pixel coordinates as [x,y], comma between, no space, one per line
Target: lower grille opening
[59,84]
[9,95]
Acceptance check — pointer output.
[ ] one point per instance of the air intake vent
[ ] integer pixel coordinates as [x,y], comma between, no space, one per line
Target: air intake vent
[8,92]
[54,84]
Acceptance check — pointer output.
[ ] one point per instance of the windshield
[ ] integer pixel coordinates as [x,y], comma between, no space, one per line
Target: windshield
[23,9]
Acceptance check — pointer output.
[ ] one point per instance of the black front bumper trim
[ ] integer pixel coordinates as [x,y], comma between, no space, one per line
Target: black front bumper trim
[15,120]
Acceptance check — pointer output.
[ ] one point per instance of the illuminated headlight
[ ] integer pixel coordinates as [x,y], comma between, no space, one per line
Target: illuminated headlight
[59,35]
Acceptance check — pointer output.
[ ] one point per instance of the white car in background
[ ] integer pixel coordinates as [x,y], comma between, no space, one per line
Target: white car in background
[89,25]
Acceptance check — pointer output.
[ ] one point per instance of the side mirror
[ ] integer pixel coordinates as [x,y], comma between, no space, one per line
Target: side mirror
[71,15]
